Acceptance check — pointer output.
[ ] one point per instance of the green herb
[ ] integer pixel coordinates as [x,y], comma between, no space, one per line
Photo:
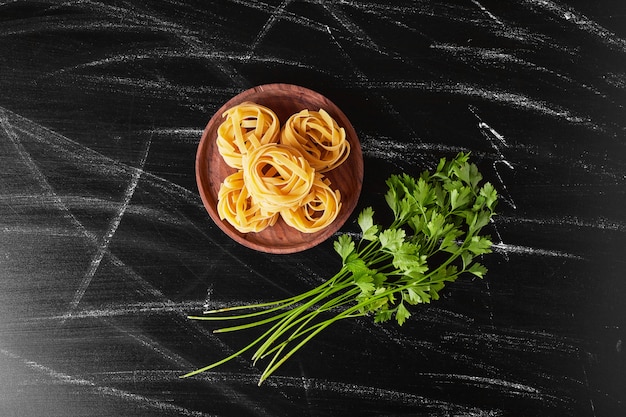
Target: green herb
[433,239]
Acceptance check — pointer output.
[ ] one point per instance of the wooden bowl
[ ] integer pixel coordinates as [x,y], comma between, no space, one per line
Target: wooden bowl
[284,100]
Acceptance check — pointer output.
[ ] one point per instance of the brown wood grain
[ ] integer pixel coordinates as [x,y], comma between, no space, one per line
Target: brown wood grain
[284,100]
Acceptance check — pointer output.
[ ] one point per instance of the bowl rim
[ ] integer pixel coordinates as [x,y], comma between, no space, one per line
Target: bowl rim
[209,201]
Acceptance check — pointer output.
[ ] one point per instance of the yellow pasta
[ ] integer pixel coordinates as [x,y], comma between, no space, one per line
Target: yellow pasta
[246,126]
[318,136]
[318,210]
[277,176]
[237,207]
[279,171]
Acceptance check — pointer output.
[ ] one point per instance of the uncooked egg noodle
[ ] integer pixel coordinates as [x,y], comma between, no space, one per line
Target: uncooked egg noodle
[246,126]
[277,176]
[279,179]
[319,209]
[318,136]
[235,206]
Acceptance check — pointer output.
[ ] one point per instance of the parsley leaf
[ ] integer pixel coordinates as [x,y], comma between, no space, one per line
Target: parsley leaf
[366,223]
[391,239]
[402,314]
[344,246]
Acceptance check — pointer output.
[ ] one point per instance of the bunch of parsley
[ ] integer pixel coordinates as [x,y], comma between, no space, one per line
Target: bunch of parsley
[433,239]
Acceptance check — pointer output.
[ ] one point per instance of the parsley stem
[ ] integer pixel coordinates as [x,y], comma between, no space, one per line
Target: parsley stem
[299,332]
[252,324]
[228,358]
[211,315]
[346,298]
[295,312]
[279,328]
[278,305]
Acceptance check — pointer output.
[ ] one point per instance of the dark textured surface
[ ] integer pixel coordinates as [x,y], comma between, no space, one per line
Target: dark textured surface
[105,246]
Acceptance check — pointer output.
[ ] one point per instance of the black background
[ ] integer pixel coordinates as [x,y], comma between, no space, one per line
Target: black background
[105,246]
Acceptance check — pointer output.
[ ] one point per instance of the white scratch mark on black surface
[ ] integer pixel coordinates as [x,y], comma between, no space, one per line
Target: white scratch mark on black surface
[501,58]
[362,79]
[504,254]
[107,166]
[572,16]
[79,202]
[148,308]
[173,53]
[487,12]
[8,126]
[507,196]
[103,247]
[318,388]
[373,393]
[152,345]
[600,223]
[497,142]
[39,133]
[297,19]
[387,148]
[191,40]
[306,387]
[98,163]
[526,250]
[513,100]
[587,385]
[358,34]
[386,12]
[102,389]
[511,386]
[274,17]
[157,347]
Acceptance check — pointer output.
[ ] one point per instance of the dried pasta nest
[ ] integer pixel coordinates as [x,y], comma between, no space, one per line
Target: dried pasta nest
[318,136]
[317,210]
[277,176]
[237,206]
[246,127]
